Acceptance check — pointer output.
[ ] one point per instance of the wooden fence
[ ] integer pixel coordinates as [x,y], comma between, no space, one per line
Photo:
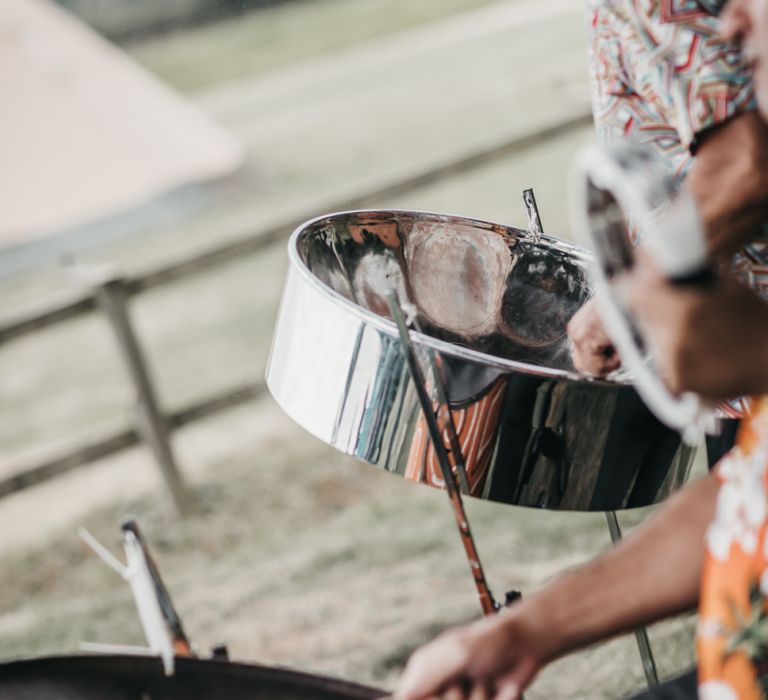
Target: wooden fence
[111,295]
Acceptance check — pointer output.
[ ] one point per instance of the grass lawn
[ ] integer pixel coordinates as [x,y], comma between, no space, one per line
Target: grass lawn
[297,553]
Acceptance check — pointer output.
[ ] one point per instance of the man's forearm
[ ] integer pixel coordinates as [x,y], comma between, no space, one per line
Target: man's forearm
[729,181]
[651,575]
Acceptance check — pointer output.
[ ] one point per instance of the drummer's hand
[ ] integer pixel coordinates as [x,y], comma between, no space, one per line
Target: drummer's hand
[710,340]
[494,659]
[729,181]
[593,351]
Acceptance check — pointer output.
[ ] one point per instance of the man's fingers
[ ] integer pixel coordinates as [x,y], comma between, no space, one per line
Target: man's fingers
[597,360]
[592,349]
[431,669]
[479,692]
[455,692]
[511,686]
[586,324]
[510,691]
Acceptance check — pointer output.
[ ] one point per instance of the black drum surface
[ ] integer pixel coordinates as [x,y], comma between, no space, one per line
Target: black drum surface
[142,678]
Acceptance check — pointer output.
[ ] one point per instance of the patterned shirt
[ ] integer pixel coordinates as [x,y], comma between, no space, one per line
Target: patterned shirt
[662,75]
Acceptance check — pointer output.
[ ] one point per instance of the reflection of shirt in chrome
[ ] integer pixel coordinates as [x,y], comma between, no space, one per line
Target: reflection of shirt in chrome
[476,428]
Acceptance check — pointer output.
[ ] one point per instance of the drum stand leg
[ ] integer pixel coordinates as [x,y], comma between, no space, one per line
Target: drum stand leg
[641,633]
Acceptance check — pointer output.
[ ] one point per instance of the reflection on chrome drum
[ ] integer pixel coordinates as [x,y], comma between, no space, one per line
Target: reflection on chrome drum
[493,303]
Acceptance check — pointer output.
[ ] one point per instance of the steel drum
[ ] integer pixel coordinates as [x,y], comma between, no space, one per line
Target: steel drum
[493,303]
[142,678]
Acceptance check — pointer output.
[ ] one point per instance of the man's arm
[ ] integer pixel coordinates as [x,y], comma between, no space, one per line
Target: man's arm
[729,182]
[652,574]
[655,573]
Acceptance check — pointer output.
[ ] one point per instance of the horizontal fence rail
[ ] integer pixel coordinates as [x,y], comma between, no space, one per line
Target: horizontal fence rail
[70,306]
[75,304]
[99,448]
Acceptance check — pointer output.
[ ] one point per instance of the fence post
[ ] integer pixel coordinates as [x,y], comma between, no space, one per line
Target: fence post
[112,297]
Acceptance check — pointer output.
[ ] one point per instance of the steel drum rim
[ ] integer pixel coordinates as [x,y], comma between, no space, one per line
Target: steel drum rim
[423,339]
[66,662]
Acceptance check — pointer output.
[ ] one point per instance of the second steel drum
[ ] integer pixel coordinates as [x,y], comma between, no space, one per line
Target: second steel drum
[142,678]
[493,303]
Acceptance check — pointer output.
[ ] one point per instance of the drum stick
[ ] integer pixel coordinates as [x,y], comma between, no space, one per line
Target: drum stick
[487,602]
[448,424]
[442,395]
[181,645]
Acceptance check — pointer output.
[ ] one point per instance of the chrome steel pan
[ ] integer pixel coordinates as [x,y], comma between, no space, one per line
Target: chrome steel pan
[493,302]
[141,678]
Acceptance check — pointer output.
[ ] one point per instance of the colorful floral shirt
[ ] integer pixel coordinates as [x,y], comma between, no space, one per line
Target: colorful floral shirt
[662,75]
[732,637]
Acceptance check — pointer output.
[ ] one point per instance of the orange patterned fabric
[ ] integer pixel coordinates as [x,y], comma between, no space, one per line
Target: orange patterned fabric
[732,637]
[476,427]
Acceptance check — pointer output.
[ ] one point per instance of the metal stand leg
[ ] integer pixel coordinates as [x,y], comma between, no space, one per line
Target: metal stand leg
[641,634]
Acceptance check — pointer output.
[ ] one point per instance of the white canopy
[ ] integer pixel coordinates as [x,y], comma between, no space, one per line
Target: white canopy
[84,131]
